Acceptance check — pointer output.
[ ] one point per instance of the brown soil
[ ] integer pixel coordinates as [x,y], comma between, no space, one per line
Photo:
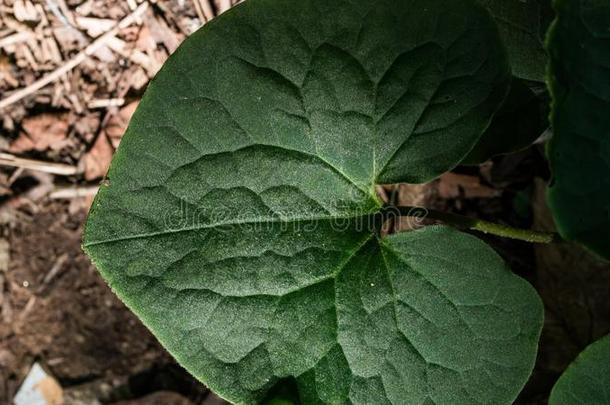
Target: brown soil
[57,310]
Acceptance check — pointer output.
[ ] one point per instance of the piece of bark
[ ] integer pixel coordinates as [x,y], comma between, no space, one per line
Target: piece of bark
[95,26]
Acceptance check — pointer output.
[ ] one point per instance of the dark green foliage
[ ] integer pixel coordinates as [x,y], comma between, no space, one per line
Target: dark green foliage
[523,25]
[587,379]
[579,152]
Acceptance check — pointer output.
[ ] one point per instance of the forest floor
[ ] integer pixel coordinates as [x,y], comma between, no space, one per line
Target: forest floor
[71,75]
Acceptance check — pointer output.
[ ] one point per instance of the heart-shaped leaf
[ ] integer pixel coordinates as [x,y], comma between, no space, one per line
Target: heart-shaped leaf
[239,219]
[579,152]
[523,25]
[587,379]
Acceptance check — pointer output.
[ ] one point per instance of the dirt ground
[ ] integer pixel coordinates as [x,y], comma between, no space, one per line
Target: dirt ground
[70,78]
[58,311]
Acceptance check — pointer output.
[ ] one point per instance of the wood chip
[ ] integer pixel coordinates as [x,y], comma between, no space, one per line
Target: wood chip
[162,34]
[134,55]
[105,103]
[94,26]
[16,38]
[25,11]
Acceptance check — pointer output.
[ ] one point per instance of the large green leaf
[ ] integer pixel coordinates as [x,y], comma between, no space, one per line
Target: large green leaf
[587,379]
[239,219]
[579,152]
[523,25]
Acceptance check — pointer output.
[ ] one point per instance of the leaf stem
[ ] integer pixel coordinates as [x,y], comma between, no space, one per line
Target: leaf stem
[479,225]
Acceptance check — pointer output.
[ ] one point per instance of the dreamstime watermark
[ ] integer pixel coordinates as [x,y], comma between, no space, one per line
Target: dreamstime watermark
[342,217]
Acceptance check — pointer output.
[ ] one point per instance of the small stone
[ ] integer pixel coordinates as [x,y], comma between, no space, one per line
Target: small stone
[39,388]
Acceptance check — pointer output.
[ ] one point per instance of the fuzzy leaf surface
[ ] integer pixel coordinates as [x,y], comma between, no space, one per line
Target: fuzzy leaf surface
[523,25]
[239,219]
[587,379]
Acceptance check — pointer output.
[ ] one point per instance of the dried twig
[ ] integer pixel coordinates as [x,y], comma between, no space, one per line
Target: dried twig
[199,11]
[47,167]
[204,10]
[27,309]
[79,58]
[105,103]
[54,270]
[73,192]
[15,38]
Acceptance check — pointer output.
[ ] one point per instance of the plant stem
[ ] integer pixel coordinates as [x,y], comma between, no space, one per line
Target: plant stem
[479,225]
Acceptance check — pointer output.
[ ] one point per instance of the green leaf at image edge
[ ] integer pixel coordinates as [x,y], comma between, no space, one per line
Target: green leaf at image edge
[239,221]
[587,379]
[523,25]
[579,152]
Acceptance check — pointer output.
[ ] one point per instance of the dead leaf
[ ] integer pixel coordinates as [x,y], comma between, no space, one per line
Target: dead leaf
[42,132]
[97,160]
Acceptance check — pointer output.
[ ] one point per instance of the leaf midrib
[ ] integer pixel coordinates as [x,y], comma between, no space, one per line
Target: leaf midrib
[252,221]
